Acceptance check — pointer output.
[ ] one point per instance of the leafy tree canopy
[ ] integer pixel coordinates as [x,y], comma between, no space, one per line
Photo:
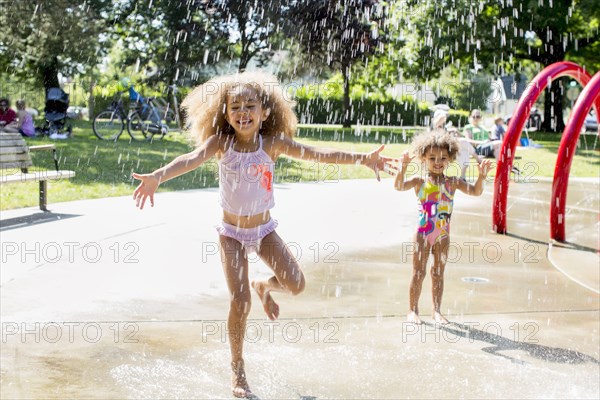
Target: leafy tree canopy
[46,37]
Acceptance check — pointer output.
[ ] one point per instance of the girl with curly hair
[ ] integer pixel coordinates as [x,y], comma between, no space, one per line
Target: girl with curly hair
[246,121]
[435,192]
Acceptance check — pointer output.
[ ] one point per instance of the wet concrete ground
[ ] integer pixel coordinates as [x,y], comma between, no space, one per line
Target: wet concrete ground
[100,300]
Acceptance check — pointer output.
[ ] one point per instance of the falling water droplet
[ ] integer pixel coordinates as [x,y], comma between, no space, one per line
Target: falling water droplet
[338,290]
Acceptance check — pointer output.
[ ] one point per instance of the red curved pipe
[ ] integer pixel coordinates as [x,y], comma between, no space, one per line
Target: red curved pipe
[566,151]
[513,133]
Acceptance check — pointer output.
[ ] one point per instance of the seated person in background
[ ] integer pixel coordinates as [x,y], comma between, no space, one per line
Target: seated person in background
[480,138]
[8,118]
[439,120]
[484,142]
[499,129]
[465,149]
[25,124]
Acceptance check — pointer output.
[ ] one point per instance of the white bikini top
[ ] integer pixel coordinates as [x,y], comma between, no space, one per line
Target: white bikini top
[246,181]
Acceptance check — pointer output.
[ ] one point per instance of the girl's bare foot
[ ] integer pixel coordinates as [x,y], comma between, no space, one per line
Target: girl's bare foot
[414,318]
[239,385]
[439,318]
[269,305]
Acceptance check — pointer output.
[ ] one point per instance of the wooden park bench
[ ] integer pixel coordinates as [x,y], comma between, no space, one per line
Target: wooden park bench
[14,154]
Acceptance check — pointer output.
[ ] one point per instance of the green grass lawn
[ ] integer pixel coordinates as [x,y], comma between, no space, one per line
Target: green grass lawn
[104,169]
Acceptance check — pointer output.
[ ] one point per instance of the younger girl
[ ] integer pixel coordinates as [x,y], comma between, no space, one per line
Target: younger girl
[25,124]
[435,193]
[246,122]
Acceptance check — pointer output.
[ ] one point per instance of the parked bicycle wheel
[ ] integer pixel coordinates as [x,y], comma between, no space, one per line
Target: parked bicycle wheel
[143,128]
[108,125]
[169,116]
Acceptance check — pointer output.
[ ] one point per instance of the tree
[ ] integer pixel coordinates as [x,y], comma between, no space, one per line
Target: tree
[48,37]
[173,41]
[255,27]
[383,69]
[186,39]
[500,35]
[339,34]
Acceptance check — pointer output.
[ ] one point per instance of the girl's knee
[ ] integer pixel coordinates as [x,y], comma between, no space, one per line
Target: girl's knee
[418,274]
[437,272]
[296,287]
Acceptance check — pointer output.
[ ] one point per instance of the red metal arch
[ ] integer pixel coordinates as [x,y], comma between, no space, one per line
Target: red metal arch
[568,144]
[517,122]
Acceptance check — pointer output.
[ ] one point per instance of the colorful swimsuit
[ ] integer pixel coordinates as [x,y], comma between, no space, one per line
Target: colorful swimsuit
[435,208]
[246,188]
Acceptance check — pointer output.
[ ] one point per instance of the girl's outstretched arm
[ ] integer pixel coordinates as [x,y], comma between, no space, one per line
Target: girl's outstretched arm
[399,182]
[476,189]
[373,160]
[179,166]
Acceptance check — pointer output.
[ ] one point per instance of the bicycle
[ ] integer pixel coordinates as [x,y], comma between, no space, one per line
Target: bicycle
[164,109]
[167,109]
[143,122]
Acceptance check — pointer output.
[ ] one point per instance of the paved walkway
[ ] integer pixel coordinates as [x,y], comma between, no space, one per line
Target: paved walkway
[101,300]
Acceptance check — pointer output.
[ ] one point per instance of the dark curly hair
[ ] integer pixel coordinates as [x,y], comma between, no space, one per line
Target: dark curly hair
[437,139]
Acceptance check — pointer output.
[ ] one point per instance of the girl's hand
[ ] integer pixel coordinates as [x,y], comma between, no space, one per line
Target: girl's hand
[392,166]
[145,189]
[376,161]
[484,168]
[406,158]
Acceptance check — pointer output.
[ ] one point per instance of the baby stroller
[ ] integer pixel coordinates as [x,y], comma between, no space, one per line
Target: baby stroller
[57,125]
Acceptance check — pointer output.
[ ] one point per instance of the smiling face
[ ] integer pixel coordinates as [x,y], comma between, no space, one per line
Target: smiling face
[245,112]
[436,159]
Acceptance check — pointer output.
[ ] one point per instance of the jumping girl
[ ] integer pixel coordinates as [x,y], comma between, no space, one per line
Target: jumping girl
[246,122]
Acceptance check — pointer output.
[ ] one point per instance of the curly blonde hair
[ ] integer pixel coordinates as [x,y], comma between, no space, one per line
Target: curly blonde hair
[434,139]
[206,105]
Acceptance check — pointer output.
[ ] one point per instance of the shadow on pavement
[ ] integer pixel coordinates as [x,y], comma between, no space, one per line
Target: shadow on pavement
[34,219]
[500,343]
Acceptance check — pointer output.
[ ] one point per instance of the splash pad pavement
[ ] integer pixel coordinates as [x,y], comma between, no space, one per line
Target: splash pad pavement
[100,300]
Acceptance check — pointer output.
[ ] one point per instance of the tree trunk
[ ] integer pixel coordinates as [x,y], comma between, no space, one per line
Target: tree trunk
[50,74]
[244,41]
[346,120]
[553,96]
[553,108]
[244,59]
[91,100]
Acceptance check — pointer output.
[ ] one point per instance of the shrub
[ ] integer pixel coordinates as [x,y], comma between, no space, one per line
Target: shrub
[459,118]
[315,108]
